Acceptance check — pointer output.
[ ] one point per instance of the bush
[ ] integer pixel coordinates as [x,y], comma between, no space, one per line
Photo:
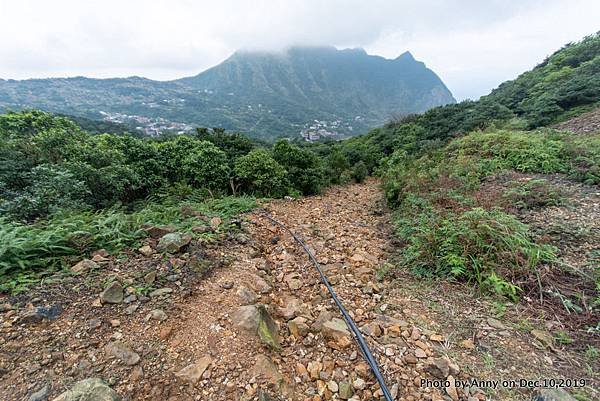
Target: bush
[304,168]
[534,194]
[259,174]
[46,246]
[489,248]
[530,152]
[582,155]
[49,189]
[207,167]
[337,165]
[359,172]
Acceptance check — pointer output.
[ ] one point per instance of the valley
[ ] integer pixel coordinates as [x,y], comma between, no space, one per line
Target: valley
[264,95]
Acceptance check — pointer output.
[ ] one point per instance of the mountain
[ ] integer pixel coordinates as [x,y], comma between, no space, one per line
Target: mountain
[317,91]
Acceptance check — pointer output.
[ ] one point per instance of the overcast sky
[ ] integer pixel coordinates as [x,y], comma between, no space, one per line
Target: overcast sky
[473,45]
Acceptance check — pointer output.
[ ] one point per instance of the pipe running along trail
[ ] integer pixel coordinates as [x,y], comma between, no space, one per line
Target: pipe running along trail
[362,344]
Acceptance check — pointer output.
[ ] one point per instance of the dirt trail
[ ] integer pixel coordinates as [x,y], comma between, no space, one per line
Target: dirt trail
[191,344]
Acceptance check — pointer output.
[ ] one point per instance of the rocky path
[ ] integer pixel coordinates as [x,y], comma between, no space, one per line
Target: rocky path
[259,325]
[225,346]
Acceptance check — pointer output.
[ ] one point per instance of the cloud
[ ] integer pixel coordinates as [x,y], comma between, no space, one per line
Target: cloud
[472,45]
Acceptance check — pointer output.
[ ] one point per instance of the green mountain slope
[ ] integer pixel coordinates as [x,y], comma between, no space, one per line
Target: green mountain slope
[262,94]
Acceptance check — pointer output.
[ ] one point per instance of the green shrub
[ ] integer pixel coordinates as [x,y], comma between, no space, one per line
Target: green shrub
[46,246]
[207,167]
[337,165]
[304,168]
[359,171]
[259,174]
[530,152]
[49,189]
[582,155]
[533,194]
[489,248]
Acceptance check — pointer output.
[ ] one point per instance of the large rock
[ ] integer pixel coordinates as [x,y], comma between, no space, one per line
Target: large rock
[192,373]
[256,319]
[113,294]
[122,352]
[173,242]
[89,390]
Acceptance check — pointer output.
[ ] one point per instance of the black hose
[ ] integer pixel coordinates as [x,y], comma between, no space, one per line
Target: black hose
[357,334]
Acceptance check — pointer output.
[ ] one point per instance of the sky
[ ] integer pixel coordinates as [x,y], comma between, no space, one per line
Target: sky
[473,45]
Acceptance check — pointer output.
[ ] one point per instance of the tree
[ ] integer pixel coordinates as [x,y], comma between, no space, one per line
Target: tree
[259,174]
[305,169]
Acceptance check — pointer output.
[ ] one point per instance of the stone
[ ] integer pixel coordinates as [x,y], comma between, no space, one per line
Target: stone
[259,284]
[122,352]
[5,307]
[451,389]
[215,222]
[173,242]
[293,281]
[157,314]
[293,308]
[323,317]
[137,374]
[160,231]
[345,390]
[256,319]
[192,373]
[40,395]
[496,324]
[359,384]
[91,389]
[94,323]
[544,338]
[246,295]
[130,310]
[146,250]
[442,367]
[112,294]
[337,331]
[265,369]
[372,329]
[332,386]
[298,327]
[35,314]
[551,394]
[419,353]
[85,265]
[161,292]
[227,285]
[165,332]
[150,277]
[201,229]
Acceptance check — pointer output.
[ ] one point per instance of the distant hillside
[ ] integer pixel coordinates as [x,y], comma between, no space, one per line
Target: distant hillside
[262,94]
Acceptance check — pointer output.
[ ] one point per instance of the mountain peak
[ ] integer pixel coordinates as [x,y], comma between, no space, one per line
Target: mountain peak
[406,56]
